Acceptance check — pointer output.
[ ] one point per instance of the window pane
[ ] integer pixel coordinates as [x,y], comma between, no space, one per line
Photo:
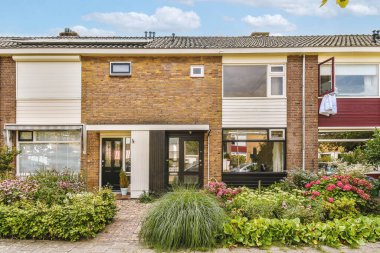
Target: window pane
[245,134]
[245,81]
[191,156]
[57,135]
[276,69]
[117,153]
[49,156]
[357,80]
[173,155]
[277,87]
[128,154]
[325,79]
[253,157]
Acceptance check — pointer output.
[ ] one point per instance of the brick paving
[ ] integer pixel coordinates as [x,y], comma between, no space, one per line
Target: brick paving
[122,236]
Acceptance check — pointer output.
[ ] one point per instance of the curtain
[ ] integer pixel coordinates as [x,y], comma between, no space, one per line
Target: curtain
[277,157]
[370,86]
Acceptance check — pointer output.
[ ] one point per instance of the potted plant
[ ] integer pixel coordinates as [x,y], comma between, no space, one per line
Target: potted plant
[123,183]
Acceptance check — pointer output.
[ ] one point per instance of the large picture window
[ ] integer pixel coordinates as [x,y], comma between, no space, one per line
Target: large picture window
[253,81]
[251,150]
[351,80]
[60,150]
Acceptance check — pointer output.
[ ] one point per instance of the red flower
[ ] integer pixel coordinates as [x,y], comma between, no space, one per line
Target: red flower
[347,187]
[315,193]
[339,184]
[331,200]
[308,185]
[317,182]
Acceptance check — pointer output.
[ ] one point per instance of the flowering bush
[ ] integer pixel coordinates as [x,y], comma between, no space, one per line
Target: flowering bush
[341,186]
[16,190]
[221,191]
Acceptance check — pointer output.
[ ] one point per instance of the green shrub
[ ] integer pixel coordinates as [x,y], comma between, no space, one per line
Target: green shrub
[53,185]
[372,149]
[340,208]
[147,197]
[264,232]
[275,203]
[296,179]
[124,183]
[7,157]
[82,215]
[184,218]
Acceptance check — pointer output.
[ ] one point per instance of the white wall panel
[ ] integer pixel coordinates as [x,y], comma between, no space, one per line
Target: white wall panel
[64,111]
[139,163]
[254,113]
[48,80]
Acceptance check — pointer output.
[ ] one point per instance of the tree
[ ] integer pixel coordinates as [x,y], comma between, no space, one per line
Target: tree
[341,3]
[372,149]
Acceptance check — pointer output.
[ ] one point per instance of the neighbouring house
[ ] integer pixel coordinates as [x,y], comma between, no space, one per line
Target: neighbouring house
[185,109]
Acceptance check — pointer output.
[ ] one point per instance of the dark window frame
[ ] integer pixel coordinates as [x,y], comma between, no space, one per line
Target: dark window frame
[267,140]
[112,73]
[320,94]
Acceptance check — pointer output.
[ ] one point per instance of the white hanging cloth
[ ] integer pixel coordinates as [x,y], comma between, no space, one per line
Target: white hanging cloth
[328,105]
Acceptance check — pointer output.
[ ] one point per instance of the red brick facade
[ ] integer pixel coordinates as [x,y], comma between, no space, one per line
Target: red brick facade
[7,93]
[160,91]
[294,112]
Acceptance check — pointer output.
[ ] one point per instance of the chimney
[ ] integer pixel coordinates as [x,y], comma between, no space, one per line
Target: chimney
[375,35]
[260,34]
[68,33]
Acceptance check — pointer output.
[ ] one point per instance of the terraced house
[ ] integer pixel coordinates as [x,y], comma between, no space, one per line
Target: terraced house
[185,109]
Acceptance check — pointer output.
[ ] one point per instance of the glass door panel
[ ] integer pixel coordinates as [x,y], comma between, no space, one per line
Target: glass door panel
[191,156]
[173,160]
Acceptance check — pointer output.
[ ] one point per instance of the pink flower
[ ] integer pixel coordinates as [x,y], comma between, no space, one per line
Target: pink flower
[315,193]
[331,200]
[308,185]
[318,182]
[347,187]
[330,187]
[339,184]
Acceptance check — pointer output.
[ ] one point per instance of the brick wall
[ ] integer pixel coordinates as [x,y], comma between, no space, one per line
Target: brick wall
[294,114]
[160,91]
[90,161]
[7,93]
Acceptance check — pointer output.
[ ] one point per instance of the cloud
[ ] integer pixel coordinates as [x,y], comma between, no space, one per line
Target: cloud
[271,22]
[165,19]
[295,7]
[84,31]
[362,10]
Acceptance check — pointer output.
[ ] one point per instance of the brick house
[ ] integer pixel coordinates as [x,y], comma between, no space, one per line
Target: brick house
[184,109]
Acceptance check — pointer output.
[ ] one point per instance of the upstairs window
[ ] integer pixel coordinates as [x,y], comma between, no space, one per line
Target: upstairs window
[348,80]
[253,81]
[120,68]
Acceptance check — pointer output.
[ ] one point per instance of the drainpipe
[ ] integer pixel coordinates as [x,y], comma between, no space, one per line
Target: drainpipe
[208,156]
[303,111]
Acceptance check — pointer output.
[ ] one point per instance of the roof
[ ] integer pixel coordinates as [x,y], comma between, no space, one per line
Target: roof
[190,42]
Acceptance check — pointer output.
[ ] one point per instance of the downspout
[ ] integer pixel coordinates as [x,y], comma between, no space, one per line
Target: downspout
[208,156]
[303,111]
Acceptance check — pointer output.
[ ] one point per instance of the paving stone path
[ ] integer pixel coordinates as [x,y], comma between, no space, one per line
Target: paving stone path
[122,236]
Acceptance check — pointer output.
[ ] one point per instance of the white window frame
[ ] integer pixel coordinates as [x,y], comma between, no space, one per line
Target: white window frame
[276,74]
[34,141]
[192,67]
[121,74]
[277,138]
[269,75]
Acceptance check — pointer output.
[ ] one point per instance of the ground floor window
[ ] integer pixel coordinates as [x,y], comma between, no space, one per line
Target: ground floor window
[339,145]
[60,150]
[253,150]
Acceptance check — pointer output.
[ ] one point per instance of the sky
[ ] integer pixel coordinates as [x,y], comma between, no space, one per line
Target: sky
[187,17]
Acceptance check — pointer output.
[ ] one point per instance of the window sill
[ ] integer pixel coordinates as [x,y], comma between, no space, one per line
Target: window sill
[255,173]
[252,98]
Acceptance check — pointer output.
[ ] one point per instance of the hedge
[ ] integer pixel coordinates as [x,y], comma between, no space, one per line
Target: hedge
[264,232]
[81,216]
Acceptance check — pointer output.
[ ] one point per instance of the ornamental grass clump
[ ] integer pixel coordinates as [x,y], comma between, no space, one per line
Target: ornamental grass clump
[184,219]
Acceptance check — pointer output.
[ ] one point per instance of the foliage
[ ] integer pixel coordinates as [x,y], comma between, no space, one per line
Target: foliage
[341,3]
[237,160]
[185,218]
[82,215]
[355,170]
[53,185]
[220,190]
[339,186]
[264,232]
[372,149]
[341,208]
[297,178]
[7,157]
[16,189]
[357,156]
[275,203]
[147,197]
[124,183]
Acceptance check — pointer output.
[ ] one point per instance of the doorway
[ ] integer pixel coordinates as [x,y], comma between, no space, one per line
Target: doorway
[185,159]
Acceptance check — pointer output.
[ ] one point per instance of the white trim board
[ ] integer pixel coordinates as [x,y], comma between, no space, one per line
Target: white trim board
[198,51]
[146,127]
[44,58]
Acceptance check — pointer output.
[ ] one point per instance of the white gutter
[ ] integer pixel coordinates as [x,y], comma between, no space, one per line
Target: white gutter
[146,127]
[303,111]
[198,51]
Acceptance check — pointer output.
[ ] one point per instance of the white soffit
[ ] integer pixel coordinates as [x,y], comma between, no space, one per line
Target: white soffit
[51,58]
[147,127]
